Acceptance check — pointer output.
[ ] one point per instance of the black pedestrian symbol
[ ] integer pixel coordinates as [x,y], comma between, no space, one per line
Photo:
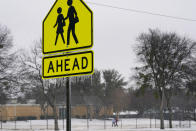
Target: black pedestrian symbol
[61,23]
[73,19]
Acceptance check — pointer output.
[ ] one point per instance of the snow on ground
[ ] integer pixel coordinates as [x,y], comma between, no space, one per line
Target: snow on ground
[98,125]
[127,113]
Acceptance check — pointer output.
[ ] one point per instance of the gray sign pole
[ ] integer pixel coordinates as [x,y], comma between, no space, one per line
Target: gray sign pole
[68,86]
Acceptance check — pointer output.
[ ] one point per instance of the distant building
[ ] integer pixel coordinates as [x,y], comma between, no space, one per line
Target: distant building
[82,107]
[21,111]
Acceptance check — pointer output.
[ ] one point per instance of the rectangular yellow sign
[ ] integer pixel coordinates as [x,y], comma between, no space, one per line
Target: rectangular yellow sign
[71,64]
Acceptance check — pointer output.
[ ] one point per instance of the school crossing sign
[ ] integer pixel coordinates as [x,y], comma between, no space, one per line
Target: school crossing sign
[66,28]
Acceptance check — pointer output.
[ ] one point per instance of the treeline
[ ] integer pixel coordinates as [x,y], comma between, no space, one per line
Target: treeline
[150,102]
[106,87]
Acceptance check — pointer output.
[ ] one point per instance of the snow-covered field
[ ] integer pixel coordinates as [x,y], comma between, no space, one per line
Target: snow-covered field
[99,125]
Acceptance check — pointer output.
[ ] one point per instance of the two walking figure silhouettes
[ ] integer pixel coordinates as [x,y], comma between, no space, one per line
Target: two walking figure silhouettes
[60,23]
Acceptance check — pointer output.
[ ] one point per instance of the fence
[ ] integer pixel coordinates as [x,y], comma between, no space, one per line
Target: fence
[134,123]
[147,120]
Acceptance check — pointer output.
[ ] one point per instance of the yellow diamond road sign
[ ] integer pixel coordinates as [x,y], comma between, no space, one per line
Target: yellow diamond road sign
[74,64]
[68,26]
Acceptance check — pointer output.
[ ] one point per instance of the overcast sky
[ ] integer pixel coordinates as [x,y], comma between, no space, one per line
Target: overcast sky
[115,30]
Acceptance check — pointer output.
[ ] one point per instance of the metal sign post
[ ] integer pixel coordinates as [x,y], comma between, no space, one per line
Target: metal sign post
[68,87]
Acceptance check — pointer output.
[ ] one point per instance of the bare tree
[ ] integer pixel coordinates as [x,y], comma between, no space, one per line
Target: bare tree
[31,78]
[162,55]
[8,74]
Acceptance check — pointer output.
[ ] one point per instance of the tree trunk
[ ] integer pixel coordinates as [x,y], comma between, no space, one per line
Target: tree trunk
[168,98]
[194,115]
[161,111]
[170,113]
[56,128]
[161,118]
